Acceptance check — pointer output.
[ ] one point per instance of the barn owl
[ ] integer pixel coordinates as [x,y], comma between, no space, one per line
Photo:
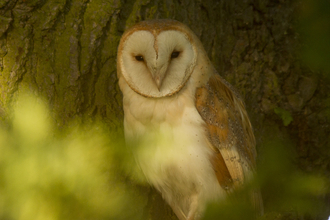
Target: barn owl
[187,127]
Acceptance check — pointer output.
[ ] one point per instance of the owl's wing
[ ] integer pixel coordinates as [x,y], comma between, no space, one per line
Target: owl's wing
[229,132]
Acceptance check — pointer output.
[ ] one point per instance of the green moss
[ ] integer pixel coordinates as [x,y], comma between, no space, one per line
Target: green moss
[152,11]
[3,3]
[95,25]
[111,42]
[18,46]
[33,3]
[135,15]
[167,13]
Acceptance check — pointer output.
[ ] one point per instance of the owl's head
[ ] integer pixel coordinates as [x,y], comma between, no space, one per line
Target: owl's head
[157,57]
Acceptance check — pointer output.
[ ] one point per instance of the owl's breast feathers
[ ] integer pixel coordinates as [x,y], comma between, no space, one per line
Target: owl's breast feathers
[229,133]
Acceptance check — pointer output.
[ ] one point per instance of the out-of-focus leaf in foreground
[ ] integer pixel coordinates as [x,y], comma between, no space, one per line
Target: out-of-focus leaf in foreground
[287,192]
[286,188]
[49,173]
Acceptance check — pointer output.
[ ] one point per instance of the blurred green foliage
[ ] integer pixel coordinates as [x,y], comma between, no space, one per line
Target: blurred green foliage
[76,172]
[61,173]
[285,188]
[288,193]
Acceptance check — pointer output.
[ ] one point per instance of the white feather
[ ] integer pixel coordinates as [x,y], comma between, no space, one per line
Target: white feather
[172,147]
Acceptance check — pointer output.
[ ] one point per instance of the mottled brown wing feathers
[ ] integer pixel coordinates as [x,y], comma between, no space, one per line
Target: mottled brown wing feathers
[230,135]
[222,172]
[229,130]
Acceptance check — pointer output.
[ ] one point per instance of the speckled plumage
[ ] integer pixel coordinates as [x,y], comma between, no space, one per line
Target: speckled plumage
[187,128]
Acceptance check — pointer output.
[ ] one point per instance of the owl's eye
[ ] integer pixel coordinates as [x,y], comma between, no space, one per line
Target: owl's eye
[139,58]
[175,54]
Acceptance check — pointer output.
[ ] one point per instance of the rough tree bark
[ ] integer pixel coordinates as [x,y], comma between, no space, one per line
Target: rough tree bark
[65,50]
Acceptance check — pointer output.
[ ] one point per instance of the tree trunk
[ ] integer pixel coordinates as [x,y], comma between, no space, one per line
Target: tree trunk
[65,51]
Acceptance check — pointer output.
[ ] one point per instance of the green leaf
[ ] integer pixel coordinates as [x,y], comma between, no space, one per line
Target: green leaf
[284,115]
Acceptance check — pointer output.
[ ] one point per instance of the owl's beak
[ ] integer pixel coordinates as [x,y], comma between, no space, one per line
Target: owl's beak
[158,75]
[158,81]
